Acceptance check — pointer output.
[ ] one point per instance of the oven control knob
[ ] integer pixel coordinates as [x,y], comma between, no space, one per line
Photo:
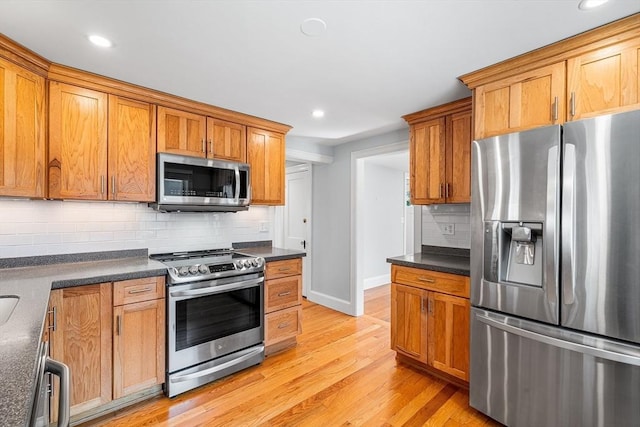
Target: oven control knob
[183,271]
[247,263]
[239,264]
[193,269]
[259,262]
[252,262]
[203,269]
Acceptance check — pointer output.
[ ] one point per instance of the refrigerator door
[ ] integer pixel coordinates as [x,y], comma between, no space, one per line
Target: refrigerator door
[514,223]
[601,226]
[526,373]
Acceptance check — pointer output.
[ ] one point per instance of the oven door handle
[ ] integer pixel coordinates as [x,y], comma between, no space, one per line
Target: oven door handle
[212,290]
[218,368]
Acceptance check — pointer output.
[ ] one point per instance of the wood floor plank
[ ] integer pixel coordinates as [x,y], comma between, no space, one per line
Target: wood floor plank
[342,372]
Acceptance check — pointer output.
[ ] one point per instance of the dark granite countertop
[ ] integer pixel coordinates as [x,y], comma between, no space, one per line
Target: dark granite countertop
[270,253]
[446,260]
[20,336]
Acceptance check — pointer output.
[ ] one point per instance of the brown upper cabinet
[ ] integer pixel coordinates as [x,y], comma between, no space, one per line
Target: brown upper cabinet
[101,147]
[265,155]
[440,154]
[22,132]
[182,132]
[587,75]
[226,140]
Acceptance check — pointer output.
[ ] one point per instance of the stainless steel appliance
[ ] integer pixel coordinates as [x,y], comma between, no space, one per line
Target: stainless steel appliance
[215,316]
[40,404]
[194,184]
[555,274]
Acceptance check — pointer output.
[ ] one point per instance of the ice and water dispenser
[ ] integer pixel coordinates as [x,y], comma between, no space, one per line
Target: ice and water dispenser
[513,252]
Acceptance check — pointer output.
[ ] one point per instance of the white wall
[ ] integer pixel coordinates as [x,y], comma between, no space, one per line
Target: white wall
[434,217]
[45,227]
[383,200]
[331,245]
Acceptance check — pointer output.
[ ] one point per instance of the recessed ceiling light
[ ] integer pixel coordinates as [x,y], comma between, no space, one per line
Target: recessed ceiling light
[313,27]
[590,4]
[318,114]
[100,41]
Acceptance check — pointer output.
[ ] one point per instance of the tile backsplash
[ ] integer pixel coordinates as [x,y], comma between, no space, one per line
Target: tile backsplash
[46,227]
[436,219]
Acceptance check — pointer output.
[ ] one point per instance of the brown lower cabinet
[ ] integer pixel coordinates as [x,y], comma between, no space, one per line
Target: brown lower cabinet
[282,304]
[111,335]
[430,320]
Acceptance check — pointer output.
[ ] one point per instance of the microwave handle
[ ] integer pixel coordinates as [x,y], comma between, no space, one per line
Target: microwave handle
[237,195]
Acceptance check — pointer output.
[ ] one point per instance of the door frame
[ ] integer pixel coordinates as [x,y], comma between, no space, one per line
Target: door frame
[281,217]
[357,202]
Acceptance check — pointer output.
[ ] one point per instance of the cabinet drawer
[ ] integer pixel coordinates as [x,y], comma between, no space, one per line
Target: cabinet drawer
[138,290]
[282,293]
[452,284]
[284,268]
[283,324]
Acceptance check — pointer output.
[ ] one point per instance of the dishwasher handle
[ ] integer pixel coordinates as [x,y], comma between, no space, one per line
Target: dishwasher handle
[61,370]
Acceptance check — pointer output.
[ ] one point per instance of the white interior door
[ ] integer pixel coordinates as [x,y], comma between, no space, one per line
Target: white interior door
[297,217]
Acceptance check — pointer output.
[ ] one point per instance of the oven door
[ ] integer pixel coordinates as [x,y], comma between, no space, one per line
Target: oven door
[210,319]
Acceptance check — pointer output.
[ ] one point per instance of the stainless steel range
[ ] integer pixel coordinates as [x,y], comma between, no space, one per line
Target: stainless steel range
[215,316]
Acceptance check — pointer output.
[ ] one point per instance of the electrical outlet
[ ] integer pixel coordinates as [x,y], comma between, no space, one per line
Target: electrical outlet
[448,229]
[264,227]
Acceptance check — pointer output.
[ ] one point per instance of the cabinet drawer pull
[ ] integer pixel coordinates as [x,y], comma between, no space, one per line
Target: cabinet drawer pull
[284,269]
[448,190]
[53,324]
[284,294]
[283,325]
[441,190]
[572,103]
[555,108]
[101,184]
[204,146]
[113,185]
[139,291]
[426,279]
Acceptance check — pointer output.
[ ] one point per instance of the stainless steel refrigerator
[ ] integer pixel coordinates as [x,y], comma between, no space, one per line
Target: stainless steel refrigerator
[555,274]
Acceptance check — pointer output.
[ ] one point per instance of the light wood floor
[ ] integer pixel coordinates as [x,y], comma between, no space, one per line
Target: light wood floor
[342,373]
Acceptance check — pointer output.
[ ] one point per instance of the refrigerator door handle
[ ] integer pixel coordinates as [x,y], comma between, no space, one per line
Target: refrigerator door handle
[556,342]
[568,225]
[551,227]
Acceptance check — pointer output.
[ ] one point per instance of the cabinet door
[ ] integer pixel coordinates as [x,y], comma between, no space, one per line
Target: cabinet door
[22,132]
[81,338]
[449,334]
[132,150]
[265,154]
[138,346]
[226,140]
[524,101]
[181,132]
[409,321]
[604,81]
[458,156]
[427,162]
[77,143]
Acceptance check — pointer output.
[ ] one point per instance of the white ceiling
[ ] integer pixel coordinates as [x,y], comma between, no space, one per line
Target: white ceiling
[377,60]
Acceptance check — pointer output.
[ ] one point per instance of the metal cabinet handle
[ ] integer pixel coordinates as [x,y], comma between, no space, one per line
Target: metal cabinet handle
[118,325]
[284,294]
[448,190]
[204,147]
[139,291]
[210,142]
[430,304]
[555,109]
[284,269]
[422,305]
[64,402]
[441,190]
[101,184]
[53,325]
[572,109]
[113,185]
[426,279]
[283,325]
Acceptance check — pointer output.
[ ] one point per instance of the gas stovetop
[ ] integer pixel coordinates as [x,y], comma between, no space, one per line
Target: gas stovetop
[191,266]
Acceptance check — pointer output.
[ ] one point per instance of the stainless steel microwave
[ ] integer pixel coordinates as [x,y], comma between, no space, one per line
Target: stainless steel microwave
[194,184]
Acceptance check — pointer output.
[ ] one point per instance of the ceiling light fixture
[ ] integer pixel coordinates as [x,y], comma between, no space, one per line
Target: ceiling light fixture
[313,27]
[318,114]
[590,4]
[100,41]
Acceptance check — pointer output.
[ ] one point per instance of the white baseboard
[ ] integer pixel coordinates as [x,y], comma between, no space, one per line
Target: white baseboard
[374,282]
[332,302]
